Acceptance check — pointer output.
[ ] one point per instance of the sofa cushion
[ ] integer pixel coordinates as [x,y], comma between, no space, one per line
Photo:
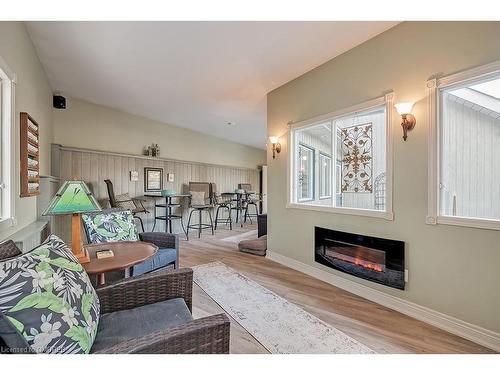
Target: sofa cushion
[47,297]
[11,340]
[161,259]
[8,249]
[110,226]
[123,325]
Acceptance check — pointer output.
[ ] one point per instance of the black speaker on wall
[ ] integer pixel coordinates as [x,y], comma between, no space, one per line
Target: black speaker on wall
[59,102]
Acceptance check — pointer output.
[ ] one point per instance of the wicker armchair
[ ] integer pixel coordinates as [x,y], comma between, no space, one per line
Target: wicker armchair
[205,335]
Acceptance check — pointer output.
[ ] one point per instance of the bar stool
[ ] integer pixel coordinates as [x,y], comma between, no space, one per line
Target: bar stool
[238,205]
[223,201]
[200,204]
[251,199]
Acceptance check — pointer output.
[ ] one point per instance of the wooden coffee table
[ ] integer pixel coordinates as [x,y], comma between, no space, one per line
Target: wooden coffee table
[127,255]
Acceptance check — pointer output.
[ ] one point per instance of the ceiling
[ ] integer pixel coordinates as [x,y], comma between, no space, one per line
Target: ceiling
[196,75]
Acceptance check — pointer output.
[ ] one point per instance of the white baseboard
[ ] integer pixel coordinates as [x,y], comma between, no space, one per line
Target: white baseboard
[479,335]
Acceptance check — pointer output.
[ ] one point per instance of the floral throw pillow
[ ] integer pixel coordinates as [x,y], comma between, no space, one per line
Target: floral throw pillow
[110,226]
[47,296]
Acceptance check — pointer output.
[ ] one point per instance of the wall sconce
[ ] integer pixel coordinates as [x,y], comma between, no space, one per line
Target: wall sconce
[409,121]
[276,146]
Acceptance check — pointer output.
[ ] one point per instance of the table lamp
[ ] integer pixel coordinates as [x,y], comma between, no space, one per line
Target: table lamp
[74,197]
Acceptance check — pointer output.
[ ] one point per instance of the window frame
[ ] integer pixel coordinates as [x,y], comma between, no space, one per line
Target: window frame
[312,163]
[321,176]
[435,86]
[7,147]
[388,101]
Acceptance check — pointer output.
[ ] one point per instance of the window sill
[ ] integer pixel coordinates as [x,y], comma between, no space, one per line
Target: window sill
[7,223]
[343,210]
[305,200]
[465,222]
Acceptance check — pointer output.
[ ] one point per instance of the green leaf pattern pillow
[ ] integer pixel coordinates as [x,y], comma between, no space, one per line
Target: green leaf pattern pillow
[47,296]
[110,226]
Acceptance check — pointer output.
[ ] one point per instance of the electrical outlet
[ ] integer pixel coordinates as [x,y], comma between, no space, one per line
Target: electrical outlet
[406,275]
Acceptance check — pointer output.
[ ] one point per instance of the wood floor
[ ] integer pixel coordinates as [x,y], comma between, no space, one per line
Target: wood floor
[381,329]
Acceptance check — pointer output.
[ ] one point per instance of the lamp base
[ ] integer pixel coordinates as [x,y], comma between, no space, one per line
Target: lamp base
[76,240]
[82,257]
[408,124]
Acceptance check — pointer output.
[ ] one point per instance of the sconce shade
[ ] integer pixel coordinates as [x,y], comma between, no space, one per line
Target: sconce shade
[276,145]
[273,140]
[404,108]
[74,197]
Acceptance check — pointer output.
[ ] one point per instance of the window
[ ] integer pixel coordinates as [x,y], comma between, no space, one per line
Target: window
[325,176]
[465,144]
[6,146]
[338,157]
[305,173]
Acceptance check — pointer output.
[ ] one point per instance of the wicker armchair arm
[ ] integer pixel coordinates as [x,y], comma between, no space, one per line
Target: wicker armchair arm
[147,289]
[208,335]
[162,240]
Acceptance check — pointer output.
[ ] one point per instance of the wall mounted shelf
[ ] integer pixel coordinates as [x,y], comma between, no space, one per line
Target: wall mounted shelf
[30,156]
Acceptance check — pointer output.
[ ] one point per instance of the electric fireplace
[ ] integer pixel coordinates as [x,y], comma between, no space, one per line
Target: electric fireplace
[376,259]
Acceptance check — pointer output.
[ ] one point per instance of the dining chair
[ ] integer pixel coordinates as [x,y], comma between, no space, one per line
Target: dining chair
[251,199]
[200,201]
[124,201]
[224,202]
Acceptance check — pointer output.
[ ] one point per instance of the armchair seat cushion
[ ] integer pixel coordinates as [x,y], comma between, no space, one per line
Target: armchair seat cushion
[160,260]
[124,201]
[124,325]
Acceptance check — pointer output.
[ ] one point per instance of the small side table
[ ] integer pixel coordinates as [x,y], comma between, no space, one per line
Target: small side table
[127,255]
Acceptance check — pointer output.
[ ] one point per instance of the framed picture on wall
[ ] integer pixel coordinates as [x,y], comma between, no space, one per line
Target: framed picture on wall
[153,179]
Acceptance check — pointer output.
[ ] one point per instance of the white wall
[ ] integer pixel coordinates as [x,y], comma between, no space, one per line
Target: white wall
[95,127]
[33,95]
[454,270]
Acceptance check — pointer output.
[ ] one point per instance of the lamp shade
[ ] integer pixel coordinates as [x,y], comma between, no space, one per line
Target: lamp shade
[404,108]
[74,197]
[273,140]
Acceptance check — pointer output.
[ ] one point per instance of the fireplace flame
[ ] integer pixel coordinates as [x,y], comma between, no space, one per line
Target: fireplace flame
[368,265]
[359,261]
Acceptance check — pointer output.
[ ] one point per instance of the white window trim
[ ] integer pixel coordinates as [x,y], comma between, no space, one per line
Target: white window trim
[323,197]
[8,159]
[388,101]
[313,180]
[433,86]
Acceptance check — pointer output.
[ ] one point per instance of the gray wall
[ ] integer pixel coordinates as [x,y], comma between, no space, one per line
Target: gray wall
[33,95]
[96,127]
[454,270]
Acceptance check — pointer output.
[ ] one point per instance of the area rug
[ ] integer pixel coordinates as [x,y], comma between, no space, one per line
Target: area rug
[280,326]
[242,236]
